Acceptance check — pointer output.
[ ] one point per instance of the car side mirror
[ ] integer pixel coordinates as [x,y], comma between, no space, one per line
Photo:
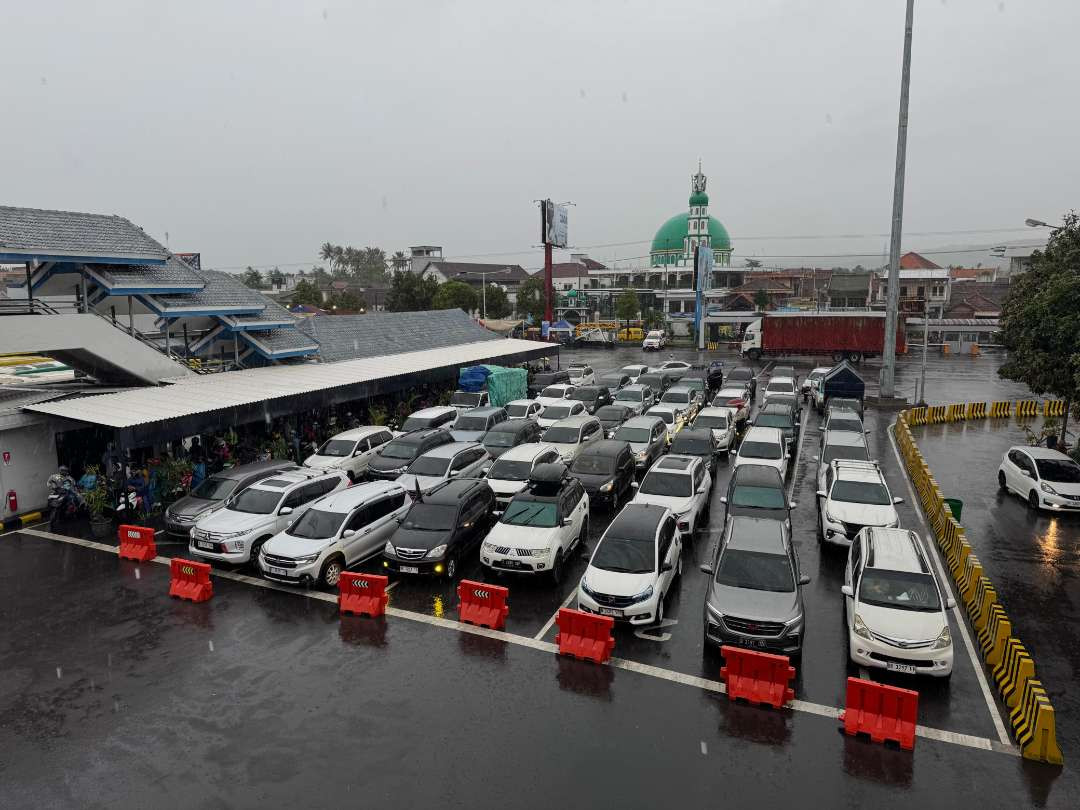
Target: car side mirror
[950,603]
[633,484]
[897,500]
[706,569]
[285,510]
[847,590]
[357,453]
[792,504]
[804,579]
[666,567]
[454,473]
[822,493]
[723,499]
[565,521]
[348,533]
[817,459]
[787,456]
[702,490]
[1025,473]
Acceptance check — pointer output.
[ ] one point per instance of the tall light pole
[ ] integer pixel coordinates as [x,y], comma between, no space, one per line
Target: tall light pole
[892,305]
[483,285]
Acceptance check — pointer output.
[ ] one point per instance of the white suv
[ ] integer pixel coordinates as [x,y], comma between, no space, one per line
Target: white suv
[510,472]
[683,485]
[581,374]
[454,460]
[894,607]
[764,445]
[235,533]
[338,531]
[654,341]
[721,421]
[350,451]
[541,526]
[855,496]
[570,436]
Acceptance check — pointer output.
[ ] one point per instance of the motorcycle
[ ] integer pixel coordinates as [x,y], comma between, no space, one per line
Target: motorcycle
[64,501]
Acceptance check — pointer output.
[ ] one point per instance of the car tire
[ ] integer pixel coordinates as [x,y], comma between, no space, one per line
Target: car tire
[331,572]
[1033,499]
[557,568]
[1001,482]
[820,532]
[583,538]
[660,610]
[451,567]
[256,547]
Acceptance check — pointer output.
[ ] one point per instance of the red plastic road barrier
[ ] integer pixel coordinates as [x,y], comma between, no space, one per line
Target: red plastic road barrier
[136,543]
[883,712]
[483,604]
[362,594]
[190,580]
[584,635]
[756,676]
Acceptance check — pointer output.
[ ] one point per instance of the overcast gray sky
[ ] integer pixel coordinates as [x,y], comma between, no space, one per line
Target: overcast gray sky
[253,132]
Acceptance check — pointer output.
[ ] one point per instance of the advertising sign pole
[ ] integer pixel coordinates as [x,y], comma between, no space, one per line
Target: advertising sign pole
[547,283]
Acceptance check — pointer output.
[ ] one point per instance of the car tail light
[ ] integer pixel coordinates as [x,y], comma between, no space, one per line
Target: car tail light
[684,526]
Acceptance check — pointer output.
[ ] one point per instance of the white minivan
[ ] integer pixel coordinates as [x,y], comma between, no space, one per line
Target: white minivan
[337,532]
[350,451]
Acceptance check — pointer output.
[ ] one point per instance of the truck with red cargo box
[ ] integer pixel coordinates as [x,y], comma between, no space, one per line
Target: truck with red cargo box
[840,335]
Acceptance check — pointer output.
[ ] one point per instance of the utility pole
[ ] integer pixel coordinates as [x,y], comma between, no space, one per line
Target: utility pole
[888,369]
[547,283]
[925,339]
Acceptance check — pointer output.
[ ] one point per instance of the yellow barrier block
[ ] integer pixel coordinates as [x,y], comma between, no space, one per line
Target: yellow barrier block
[975,410]
[979,608]
[1034,725]
[973,571]
[1015,668]
[999,410]
[992,638]
[1027,408]
[1054,407]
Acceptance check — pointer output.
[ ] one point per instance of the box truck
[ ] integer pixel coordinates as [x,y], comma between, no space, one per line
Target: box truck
[847,336]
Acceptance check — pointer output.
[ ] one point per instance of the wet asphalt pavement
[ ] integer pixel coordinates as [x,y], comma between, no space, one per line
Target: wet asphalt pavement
[118,696]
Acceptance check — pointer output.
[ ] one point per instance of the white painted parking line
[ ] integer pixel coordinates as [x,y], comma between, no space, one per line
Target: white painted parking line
[793,470]
[766,368]
[716,687]
[961,619]
[555,615]
[24,528]
[392,585]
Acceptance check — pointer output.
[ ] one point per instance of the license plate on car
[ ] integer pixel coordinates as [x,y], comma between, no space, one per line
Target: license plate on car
[410,569]
[611,612]
[281,572]
[906,668]
[752,642]
[204,544]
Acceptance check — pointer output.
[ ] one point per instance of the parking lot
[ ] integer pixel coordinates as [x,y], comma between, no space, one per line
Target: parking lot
[263,693]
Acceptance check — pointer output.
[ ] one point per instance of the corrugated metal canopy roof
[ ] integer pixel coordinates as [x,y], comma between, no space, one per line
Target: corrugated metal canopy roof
[215,392]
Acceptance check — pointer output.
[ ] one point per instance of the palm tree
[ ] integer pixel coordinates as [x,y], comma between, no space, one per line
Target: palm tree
[329,253]
[400,260]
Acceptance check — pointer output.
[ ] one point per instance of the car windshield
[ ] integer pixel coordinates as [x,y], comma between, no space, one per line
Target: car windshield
[696,383]
[593,464]
[776,420]
[835,451]
[907,590]
[429,465]
[691,445]
[430,517]
[756,571]
[542,514]
[868,492]
[678,397]
[609,414]
[500,438]
[517,411]
[464,399]
[576,372]
[554,392]
[315,524]
[672,485]
[415,423]
[587,394]
[755,497]
[631,371]
[766,450]
[625,556]
[740,375]
[634,435]
[849,424]
[629,396]
[401,450]
[557,411]
[256,501]
[507,470]
[723,401]
[779,388]
[471,423]
[561,434]
[711,422]
[339,448]
[214,489]
[1058,470]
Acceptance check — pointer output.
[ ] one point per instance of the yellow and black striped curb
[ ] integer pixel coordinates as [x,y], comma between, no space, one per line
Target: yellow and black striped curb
[1010,664]
[961,411]
[21,521]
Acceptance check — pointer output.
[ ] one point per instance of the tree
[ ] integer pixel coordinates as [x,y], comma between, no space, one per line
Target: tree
[400,260]
[455,295]
[498,305]
[1040,319]
[761,299]
[329,253]
[277,278]
[652,319]
[530,300]
[627,306]
[410,292]
[306,293]
[346,302]
[252,278]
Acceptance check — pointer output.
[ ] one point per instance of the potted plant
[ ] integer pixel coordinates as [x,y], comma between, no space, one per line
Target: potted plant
[97,500]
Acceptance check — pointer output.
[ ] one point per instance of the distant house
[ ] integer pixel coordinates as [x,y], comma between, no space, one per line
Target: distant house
[972,274]
[849,290]
[916,261]
[977,299]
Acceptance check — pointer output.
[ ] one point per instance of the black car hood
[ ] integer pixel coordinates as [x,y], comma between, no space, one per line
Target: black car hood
[410,538]
[495,452]
[593,481]
[190,506]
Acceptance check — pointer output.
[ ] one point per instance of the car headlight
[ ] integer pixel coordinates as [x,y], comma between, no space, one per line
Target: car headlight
[944,639]
[642,596]
[234,546]
[438,551]
[489,548]
[641,456]
[829,517]
[1049,490]
[714,613]
[608,486]
[585,587]
[860,628]
[389,548]
[796,623]
[310,558]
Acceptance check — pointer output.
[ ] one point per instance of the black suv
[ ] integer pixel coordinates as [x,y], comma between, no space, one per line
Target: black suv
[780,415]
[546,378]
[393,457]
[510,433]
[757,490]
[606,470]
[695,442]
[659,381]
[611,416]
[592,396]
[441,528]
[743,376]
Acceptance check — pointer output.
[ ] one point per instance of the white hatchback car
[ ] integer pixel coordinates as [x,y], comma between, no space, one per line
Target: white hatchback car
[738,399]
[894,607]
[510,472]
[634,370]
[671,416]
[1047,479]
[855,496]
[764,445]
[524,409]
[569,436]
[782,386]
[561,410]
[454,460]
[235,533]
[633,566]
[555,394]
[338,531]
[683,485]
[721,421]
[349,451]
[581,375]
